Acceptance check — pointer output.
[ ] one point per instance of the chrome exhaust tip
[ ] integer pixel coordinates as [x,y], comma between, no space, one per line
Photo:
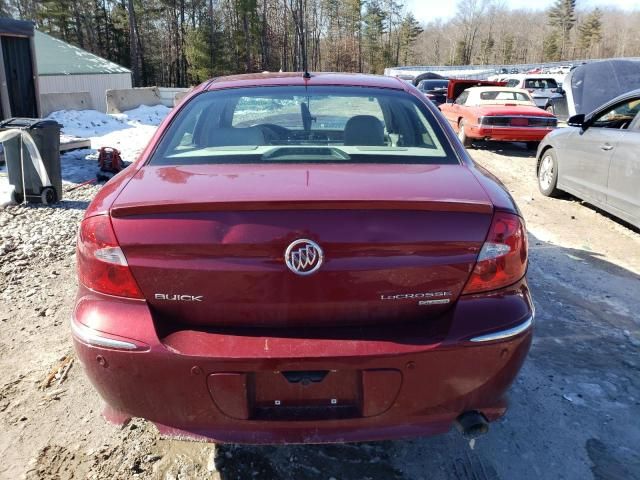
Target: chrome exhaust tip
[472,425]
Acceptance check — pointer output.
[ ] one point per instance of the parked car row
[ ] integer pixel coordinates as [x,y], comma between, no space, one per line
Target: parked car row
[545,89]
[596,157]
[561,69]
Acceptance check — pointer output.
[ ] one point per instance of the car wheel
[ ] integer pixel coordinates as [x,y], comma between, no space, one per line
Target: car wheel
[466,141]
[548,174]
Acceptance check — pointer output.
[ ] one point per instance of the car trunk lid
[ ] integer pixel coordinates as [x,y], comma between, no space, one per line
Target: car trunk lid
[207,243]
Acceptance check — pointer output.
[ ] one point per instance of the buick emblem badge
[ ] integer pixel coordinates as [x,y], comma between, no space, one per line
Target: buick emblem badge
[303,257]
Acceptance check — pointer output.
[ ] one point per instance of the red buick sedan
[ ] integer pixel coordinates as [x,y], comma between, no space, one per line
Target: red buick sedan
[302,259]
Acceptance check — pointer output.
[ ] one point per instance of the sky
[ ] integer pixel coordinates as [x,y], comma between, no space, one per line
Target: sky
[427,10]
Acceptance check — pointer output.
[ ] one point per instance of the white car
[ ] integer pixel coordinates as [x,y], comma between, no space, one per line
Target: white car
[562,69]
[544,88]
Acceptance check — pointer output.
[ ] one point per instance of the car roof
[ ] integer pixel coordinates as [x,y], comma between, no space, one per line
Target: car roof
[265,79]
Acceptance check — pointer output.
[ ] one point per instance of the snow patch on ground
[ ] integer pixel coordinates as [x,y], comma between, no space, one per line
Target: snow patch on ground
[144,115]
[129,132]
[86,123]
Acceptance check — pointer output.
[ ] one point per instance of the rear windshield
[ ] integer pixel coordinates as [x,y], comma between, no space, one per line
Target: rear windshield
[298,124]
[433,84]
[505,95]
[540,83]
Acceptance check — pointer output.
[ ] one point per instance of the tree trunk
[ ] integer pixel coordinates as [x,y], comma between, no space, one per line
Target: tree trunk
[212,36]
[133,44]
[183,57]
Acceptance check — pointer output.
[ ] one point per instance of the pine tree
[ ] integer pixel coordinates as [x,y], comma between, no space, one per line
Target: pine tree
[374,30]
[410,29]
[562,16]
[590,32]
[550,48]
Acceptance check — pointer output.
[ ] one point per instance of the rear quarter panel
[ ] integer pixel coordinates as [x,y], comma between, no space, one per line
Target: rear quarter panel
[454,112]
[497,192]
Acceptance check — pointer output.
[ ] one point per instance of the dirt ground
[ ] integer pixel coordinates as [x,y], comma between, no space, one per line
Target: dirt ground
[575,409]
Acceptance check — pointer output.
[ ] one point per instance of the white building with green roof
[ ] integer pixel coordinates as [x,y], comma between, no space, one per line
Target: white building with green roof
[64,68]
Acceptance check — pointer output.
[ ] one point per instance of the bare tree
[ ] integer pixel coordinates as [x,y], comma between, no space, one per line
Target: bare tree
[134,44]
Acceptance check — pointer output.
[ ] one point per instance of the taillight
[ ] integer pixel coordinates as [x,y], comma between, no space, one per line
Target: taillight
[102,266]
[503,258]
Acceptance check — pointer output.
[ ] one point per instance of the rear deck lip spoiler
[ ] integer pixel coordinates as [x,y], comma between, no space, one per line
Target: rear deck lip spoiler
[504,334]
[447,205]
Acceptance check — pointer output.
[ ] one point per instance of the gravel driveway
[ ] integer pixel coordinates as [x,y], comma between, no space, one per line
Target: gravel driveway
[575,409]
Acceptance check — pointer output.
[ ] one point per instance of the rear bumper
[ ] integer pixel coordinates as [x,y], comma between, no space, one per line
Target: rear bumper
[229,386]
[507,134]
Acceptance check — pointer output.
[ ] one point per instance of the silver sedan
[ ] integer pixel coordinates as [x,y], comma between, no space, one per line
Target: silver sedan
[597,158]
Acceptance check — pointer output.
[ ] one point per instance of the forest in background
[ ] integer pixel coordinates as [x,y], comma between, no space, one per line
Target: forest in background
[184,42]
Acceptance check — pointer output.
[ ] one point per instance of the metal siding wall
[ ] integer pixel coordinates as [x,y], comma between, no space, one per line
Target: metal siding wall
[96,85]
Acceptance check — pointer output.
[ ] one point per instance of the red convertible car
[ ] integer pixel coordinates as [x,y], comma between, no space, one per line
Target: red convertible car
[495,113]
[303,259]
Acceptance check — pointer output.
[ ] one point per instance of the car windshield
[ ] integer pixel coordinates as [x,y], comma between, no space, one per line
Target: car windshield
[304,124]
[540,83]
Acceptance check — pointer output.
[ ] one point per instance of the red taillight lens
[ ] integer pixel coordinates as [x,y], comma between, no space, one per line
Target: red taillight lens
[101,264]
[503,258]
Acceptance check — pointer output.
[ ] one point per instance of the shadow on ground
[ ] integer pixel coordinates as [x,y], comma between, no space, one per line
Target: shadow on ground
[62,204]
[506,149]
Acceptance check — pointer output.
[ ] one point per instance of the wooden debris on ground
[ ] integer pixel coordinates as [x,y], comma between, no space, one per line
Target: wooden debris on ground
[58,373]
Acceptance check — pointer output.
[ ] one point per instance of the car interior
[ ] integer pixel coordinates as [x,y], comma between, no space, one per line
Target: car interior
[624,116]
[397,125]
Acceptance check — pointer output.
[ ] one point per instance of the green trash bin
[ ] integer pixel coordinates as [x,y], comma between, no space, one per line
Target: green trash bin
[46,136]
